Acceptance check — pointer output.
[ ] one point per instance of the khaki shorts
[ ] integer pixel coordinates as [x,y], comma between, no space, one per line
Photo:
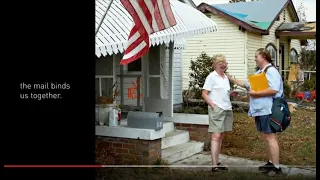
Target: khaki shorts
[220,120]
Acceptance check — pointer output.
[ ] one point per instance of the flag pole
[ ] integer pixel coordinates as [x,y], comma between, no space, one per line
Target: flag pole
[103,17]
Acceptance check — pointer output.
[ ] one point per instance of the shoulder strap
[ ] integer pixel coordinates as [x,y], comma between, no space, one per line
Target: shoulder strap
[266,69]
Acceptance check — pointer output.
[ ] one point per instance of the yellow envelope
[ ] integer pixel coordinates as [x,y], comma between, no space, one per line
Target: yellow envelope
[258,82]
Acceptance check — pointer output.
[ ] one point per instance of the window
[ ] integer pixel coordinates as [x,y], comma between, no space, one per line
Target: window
[104,77]
[134,66]
[293,56]
[104,87]
[306,75]
[273,52]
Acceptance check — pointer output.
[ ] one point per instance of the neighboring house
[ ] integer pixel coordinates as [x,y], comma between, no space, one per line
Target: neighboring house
[243,28]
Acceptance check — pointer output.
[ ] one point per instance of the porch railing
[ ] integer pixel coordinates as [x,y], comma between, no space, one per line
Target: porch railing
[307,74]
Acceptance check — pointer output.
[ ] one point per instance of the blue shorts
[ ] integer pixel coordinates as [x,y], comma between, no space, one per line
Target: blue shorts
[262,124]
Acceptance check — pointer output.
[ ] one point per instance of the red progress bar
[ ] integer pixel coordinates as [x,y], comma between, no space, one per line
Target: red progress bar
[52,166]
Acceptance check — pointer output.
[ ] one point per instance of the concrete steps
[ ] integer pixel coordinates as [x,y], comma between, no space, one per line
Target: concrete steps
[181,151]
[174,138]
[168,126]
[176,144]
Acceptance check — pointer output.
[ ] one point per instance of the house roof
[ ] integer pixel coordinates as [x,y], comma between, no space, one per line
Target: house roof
[254,16]
[298,26]
[297,30]
[112,37]
[189,2]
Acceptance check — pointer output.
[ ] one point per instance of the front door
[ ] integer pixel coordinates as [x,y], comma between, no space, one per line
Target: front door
[156,97]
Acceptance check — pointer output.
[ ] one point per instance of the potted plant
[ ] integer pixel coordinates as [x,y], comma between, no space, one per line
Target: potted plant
[105,104]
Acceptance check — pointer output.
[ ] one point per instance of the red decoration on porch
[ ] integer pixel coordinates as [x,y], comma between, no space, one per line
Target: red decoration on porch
[132,91]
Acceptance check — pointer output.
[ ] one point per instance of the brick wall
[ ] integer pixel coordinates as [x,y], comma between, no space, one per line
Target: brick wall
[130,151]
[197,132]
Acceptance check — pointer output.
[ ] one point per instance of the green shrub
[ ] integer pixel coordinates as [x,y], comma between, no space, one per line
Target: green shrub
[200,69]
[194,110]
[287,90]
[160,161]
[309,85]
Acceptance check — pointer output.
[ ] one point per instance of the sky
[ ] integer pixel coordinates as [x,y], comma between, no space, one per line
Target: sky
[310,6]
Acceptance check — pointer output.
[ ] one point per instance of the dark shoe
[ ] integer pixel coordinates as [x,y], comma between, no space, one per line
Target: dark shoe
[266,167]
[274,171]
[219,167]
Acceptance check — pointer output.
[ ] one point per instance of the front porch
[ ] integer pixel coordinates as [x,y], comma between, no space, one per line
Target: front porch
[286,32]
[156,71]
[182,135]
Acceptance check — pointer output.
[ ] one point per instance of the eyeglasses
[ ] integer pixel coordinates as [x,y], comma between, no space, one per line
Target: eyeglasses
[222,63]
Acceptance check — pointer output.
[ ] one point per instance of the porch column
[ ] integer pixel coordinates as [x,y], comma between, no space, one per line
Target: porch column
[289,52]
[278,54]
[121,85]
[289,63]
[145,79]
[114,74]
[170,88]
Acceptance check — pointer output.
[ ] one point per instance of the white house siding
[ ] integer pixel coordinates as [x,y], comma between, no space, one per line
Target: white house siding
[254,42]
[128,81]
[271,38]
[177,75]
[288,14]
[228,40]
[285,16]
[295,43]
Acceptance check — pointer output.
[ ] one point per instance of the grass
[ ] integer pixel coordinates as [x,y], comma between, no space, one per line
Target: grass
[297,143]
[174,174]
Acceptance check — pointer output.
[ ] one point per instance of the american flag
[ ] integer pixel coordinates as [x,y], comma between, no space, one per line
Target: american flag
[149,16]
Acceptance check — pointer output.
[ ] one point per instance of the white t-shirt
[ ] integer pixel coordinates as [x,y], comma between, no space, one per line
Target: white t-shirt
[218,88]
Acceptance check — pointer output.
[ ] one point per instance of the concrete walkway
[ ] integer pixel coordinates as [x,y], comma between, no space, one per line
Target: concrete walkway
[202,161]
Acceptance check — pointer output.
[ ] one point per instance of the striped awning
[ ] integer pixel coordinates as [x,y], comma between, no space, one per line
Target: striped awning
[114,31]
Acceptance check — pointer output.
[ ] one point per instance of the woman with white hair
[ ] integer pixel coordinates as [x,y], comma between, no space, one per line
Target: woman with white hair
[216,93]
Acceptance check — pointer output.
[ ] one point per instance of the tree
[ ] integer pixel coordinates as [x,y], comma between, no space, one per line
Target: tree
[311,44]
[200,69]
[307,59]
[301,11]
[306,62]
